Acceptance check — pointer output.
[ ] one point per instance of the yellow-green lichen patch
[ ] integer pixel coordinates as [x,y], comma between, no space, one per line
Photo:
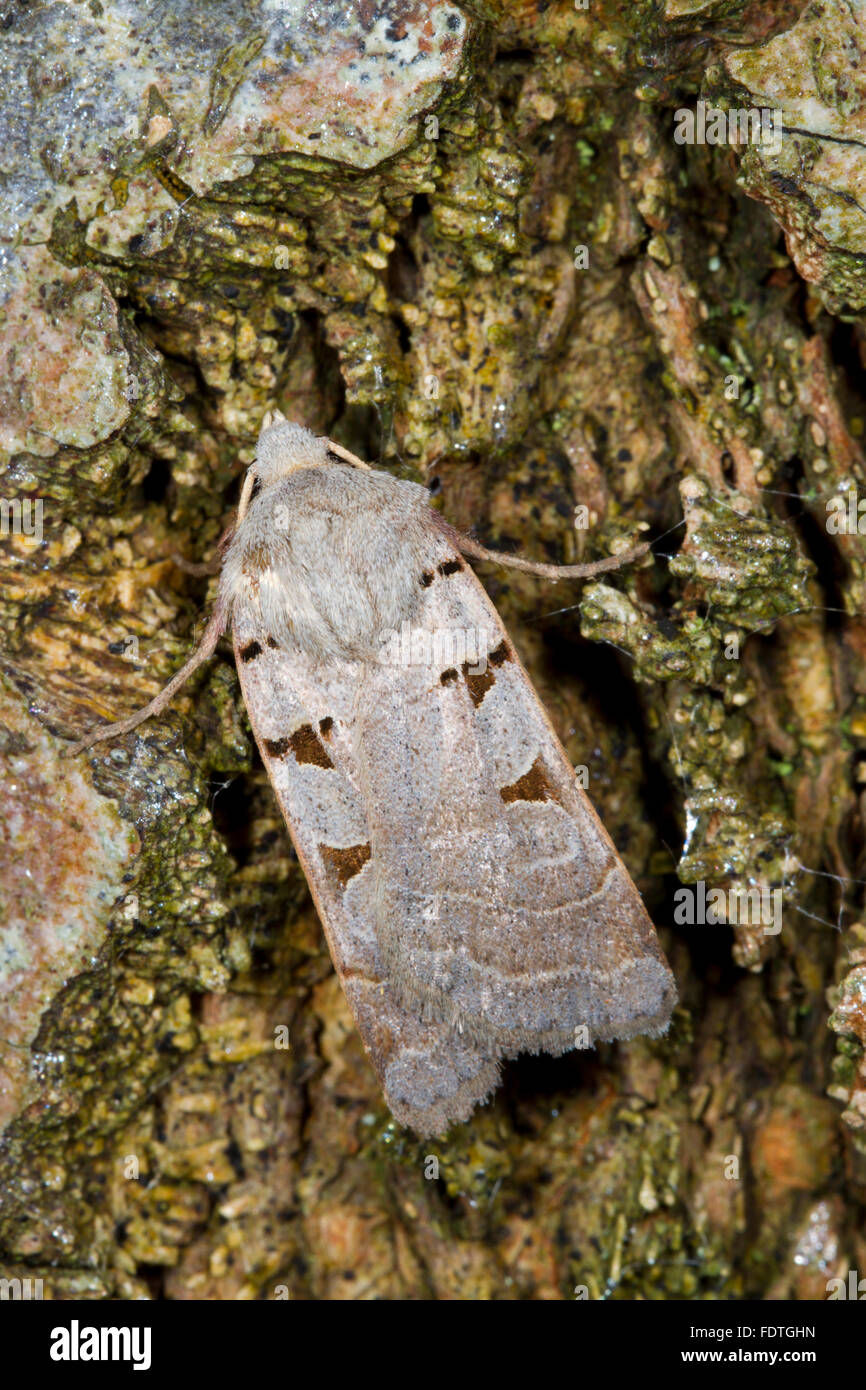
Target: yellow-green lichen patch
[748,567]
[812,175]
[848,1021]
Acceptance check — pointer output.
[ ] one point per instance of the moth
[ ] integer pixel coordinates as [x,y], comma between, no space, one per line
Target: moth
[472,901]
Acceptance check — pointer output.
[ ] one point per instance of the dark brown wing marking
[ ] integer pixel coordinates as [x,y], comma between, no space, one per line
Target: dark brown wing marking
[277,747]
[343,864]
[308,747]
[304,743]
[534,785]
[250,651]
[477,683]
[447,567]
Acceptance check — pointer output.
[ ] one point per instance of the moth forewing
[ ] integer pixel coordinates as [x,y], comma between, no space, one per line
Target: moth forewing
[506,910]
[303,721]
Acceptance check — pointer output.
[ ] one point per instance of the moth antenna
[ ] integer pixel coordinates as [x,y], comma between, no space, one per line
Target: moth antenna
[246,493]
[212,634]
[347,457]
[474,551]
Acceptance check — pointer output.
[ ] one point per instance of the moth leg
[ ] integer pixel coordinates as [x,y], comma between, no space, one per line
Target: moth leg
[212,633]
[474,551]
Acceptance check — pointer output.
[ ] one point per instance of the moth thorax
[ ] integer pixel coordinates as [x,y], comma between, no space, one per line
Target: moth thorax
[284,449]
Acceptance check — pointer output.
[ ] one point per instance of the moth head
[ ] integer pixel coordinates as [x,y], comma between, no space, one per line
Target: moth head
[283,448]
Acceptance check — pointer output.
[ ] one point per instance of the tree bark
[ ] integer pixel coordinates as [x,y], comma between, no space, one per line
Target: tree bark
[500,272]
